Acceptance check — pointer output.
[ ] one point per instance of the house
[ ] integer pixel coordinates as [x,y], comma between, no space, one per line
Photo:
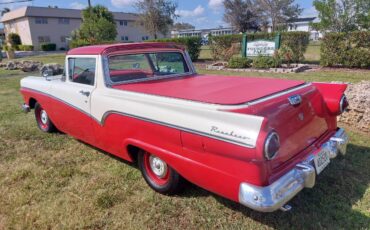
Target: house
[37,25]
[202,32]
[303,24]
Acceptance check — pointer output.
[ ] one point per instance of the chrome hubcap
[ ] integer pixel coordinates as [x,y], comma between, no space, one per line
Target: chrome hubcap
[44,117]
[158,166]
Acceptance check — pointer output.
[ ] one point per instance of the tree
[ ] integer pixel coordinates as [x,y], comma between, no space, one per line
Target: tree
[157,16]
[183,26]
[342,15]
[4,11]
[241,14]
[278,11]
[97,25]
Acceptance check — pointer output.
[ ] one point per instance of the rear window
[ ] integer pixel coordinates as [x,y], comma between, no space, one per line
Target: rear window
[131,67]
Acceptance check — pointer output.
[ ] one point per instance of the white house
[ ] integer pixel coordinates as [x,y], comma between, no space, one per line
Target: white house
[303,24]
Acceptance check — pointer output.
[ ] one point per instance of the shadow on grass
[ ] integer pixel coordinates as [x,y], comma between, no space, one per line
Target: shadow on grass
[329,203]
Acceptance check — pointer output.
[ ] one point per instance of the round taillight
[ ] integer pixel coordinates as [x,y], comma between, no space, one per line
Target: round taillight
[272,145]
[343,104]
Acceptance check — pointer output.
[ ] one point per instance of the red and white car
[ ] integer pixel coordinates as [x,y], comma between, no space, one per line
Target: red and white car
[256,141]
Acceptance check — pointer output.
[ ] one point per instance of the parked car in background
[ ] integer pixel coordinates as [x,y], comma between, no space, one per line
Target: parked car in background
[256,141]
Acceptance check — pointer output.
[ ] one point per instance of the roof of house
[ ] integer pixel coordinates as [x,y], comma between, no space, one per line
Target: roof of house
[36,11]
[119,47]
[307,19]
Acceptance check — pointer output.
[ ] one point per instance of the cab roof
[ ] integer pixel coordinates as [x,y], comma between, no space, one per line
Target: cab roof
[111,48]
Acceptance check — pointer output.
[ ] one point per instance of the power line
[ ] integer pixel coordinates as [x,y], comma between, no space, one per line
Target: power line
[19,1]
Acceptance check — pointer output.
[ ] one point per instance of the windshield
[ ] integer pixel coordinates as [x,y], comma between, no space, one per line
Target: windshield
[131,67]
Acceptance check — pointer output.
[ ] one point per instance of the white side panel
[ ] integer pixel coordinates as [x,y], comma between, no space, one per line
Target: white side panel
[198,118]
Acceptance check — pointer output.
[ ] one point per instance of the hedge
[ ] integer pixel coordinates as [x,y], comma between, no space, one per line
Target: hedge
[25,47]
[346,49]
[221,46]
[192,44]
[48,47]
[239,62]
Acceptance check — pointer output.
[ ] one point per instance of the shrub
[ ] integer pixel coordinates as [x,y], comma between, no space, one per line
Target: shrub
[297,42]
[265,62]
[222,46]
[14,40]
[78,43]
[239,62]
[25,47]
[81,42]
[48,47]
[8,48]
[346,49]
[192,45]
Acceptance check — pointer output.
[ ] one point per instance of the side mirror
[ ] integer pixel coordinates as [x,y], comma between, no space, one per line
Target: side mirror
[46,73]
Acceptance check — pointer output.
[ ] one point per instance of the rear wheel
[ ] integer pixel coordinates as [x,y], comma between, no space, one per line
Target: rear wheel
[158,174]
[43,120]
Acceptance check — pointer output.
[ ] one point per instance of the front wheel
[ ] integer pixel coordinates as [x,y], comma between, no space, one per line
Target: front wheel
[43,120]
[158,174]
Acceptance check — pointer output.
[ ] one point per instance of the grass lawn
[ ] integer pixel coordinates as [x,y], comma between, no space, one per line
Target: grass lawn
[313,53]
[54,181]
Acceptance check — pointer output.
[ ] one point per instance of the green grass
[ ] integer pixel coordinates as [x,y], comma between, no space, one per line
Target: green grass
[55,181]
[312,54]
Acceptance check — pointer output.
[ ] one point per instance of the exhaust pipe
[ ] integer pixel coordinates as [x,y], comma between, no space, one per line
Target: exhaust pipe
[286,207]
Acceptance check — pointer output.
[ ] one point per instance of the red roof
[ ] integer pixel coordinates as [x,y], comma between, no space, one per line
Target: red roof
[110,48]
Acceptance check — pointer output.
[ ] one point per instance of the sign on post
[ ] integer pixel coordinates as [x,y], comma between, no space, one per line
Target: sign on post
[261,47]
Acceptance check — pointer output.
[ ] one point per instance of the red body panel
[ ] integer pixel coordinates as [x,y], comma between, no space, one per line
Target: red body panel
[331,93]
[201,160]
[213,89]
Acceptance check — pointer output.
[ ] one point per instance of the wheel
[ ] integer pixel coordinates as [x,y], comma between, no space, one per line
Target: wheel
[43,120]
[158,174]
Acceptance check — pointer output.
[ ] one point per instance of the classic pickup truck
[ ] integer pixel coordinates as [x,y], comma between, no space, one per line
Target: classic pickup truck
[256,141]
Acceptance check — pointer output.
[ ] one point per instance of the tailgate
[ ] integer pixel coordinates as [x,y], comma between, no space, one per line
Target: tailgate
[298,126]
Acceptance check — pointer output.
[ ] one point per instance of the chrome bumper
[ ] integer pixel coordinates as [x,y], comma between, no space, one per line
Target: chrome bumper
[303,175]
[26,108]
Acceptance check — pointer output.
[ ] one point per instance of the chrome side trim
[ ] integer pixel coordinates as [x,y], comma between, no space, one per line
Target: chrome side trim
[106,114]
[279,94]
[58,99]
[303,175]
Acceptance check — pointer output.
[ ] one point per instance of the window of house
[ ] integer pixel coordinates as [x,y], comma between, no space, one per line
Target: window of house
[123,23]
[43,39]
[124,38]
[63,21]
[144,38]
[82,70]
[41,20]
[63,39]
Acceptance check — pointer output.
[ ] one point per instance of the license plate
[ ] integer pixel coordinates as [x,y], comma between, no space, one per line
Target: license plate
[321,160]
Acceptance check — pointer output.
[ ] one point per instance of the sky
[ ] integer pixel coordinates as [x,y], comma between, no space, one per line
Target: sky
[200,13]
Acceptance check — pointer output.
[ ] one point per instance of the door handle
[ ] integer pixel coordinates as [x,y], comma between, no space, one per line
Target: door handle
[85,93]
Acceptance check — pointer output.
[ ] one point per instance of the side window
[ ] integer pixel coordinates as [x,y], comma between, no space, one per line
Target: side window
[82,70]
